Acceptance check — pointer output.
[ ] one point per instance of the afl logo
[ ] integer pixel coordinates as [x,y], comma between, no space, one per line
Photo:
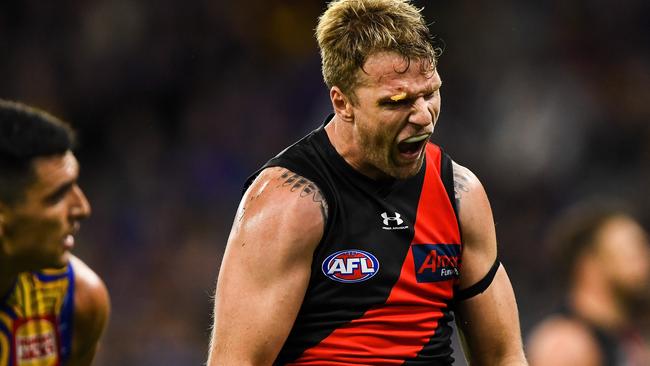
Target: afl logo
[350,266]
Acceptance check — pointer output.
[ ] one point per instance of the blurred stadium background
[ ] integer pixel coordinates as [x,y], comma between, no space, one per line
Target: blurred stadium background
[548,102]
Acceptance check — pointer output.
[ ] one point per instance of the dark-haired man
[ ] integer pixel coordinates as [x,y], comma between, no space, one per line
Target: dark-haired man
[603,257]
[346,248]
[53,308]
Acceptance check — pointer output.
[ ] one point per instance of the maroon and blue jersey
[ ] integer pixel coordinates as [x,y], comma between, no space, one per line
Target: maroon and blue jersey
[383,276]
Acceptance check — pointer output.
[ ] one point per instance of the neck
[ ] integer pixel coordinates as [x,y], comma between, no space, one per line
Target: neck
[342,137]
[340,134]
[594,300]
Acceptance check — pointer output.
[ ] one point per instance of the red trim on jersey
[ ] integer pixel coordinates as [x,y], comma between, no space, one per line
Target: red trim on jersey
[38,344]
[397,330]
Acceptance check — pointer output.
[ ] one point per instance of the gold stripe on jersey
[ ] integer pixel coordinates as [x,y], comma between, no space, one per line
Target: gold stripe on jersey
[4,349]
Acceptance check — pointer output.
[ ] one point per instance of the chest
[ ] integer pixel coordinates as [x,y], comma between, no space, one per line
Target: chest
[380,243]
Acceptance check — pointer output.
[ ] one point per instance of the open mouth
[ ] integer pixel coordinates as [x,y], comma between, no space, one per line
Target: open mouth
[412,146]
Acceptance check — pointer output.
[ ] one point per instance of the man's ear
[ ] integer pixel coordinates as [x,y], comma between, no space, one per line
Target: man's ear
[342,104]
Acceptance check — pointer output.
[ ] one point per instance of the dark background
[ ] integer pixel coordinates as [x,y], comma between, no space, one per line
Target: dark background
[548,102]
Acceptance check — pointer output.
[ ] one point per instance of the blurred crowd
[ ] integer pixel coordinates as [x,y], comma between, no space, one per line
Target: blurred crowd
[548,102]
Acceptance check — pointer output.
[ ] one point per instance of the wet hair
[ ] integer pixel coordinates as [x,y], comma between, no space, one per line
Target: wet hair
[575,231]
[350,31]
[27,133]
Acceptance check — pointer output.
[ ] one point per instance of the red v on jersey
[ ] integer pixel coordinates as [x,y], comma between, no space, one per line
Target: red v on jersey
[398,329]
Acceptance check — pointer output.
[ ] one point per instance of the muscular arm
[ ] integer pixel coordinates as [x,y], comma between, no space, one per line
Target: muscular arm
[91,309]
[489,322]
[266,268]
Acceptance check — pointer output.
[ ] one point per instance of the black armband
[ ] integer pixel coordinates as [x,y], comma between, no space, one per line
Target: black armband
[480,286]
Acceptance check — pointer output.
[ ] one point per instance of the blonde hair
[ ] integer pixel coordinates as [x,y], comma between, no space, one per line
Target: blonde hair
[350,31]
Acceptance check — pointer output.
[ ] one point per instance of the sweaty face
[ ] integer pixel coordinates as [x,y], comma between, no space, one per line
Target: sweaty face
[397,106]
[38,232]
[624,255]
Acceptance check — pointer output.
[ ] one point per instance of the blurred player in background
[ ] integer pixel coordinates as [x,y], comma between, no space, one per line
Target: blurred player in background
[53,308]
[604,257]
[346,248]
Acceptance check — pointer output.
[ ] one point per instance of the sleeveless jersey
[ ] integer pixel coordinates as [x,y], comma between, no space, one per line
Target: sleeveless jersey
[36,319]
[384,274]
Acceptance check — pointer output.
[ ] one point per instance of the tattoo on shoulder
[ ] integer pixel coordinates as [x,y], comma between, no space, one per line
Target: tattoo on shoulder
[305,188]
[461,184]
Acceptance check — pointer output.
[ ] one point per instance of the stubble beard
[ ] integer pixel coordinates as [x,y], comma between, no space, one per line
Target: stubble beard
[380,153]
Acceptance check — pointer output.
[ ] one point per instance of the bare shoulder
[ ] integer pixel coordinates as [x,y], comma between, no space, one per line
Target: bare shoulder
[283,182]
[91,299]
[475,213]
[280,198]
[468,190]
[562,341]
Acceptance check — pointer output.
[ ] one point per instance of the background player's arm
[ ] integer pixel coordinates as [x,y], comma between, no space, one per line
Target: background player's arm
[91,309]
[266,268]
[489,322]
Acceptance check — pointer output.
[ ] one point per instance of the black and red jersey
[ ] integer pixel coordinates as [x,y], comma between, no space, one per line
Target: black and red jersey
[384,273]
